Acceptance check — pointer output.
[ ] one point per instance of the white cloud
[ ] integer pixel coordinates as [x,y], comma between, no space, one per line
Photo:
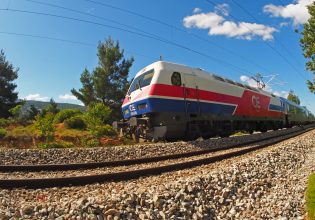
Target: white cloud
[268,88]
[283,94]
[197,10]
[67,97]
[296,11]
[223,9]
[36,97]
[218,25]
[248,81]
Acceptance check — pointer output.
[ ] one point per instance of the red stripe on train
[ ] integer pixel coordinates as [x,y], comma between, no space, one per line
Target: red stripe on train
[250,104]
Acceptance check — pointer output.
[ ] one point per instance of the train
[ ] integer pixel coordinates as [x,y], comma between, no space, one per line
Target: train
[172,101]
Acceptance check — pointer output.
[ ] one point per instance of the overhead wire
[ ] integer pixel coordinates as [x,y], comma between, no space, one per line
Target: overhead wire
[252,62]
[67,41]
[46,37]
[131,32]
[258,21]
[269,45]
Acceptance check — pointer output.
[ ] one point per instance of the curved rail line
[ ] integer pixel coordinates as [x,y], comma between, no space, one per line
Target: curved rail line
[127,175]
[93,165]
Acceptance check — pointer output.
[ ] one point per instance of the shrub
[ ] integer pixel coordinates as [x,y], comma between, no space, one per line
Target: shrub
[22,131]
[75,122]
[44,124]
[4,122]
[57,144]
[92,143]
[66,114]
[3,132]
[89,142]
[105,130]
[310,197]
[95,118]
[16,111]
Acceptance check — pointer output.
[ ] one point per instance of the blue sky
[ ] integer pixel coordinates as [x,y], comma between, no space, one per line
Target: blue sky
[225,40]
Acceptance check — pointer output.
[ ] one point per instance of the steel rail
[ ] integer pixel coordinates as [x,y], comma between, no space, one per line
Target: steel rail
[127,175]
[93,165]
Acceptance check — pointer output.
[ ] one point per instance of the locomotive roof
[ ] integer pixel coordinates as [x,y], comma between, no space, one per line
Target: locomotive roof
[293,104]
[202,73]
[199,72]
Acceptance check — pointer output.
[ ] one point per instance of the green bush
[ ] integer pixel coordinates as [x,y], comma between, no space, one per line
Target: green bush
[66,114]
[22,131]
[105,130]
[57,144]
[310,197]
[75,122]
[96,117]
[3,132]
[45,126]
[92,143]
[4,122]
[16,111]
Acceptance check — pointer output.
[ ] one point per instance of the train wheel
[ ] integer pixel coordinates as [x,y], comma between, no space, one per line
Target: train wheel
[135,137]
[205,137]
[223,134]
[192,132]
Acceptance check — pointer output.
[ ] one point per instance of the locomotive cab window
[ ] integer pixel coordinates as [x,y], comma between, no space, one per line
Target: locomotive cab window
[176,79]
[141,81]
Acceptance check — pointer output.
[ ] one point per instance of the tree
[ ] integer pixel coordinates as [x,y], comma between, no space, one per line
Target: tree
[52,107]
[86,94]
[293,98]
[8,97]
[308,45]
[108,81]
[16,111]
[32,112]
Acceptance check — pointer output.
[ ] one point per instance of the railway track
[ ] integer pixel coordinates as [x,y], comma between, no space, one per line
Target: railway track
[131,174]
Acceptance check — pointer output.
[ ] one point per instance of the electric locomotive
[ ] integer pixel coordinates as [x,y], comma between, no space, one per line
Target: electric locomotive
[172,101]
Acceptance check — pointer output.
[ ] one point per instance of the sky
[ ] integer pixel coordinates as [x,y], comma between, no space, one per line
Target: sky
[52,42]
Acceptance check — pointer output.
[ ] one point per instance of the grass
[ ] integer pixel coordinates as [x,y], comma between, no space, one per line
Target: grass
[19,136]
[74,133]
[18,131]
[310,197]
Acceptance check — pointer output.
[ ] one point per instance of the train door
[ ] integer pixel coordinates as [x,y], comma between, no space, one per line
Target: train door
[191,95]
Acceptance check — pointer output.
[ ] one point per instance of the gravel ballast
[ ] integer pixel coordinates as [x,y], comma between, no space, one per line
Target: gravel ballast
[268,184]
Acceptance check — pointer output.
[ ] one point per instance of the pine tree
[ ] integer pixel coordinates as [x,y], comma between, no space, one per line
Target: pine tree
[86,94]
[8,96]
[108,81]
[52,108]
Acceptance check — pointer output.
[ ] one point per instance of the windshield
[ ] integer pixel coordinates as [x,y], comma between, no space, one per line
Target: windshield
[141,81]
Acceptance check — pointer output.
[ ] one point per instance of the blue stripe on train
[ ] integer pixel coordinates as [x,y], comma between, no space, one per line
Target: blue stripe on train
[171,105]
[275,107]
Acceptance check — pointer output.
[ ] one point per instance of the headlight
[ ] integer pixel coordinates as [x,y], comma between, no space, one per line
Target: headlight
[132,107]
[126,111]
[142,106]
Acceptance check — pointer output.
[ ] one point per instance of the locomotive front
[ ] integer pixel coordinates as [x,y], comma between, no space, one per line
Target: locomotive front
[137,107]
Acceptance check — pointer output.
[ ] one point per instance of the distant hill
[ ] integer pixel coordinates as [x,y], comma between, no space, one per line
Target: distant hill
[41,105]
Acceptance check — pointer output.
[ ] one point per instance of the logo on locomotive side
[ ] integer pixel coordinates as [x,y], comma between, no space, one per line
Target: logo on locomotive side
[256,102]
